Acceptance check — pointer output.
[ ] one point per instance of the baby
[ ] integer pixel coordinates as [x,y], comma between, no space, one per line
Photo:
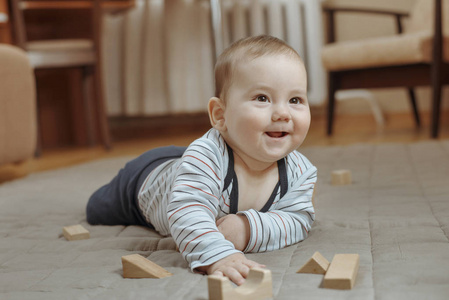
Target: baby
[240,188]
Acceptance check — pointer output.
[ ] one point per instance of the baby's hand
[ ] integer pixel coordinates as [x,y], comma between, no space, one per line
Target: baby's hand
[235,229]
[235,266]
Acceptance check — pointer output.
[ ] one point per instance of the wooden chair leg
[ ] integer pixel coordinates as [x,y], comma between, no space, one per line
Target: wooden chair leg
[436,105]
[101,114]
[331,104]
[414,104]
[38,150]
[88,87]
[436,68]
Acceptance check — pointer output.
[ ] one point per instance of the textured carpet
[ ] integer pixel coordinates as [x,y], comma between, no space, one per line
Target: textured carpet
[395,215]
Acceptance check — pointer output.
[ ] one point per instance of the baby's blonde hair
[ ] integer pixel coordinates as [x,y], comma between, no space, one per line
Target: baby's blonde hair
[246,49]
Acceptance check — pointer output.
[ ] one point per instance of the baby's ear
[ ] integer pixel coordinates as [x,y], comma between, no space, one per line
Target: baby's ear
[216,110]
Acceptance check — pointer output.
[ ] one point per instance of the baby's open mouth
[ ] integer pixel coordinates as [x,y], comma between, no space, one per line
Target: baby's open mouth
[276,134]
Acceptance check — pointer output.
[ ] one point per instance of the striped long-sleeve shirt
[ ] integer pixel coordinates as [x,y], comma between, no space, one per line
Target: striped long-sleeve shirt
[184,197]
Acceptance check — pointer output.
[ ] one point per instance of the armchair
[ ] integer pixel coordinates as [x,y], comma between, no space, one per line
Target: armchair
[414,57]
[17,106]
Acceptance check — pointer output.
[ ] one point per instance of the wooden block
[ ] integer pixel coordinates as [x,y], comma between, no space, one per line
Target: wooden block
[341,177]
[75,232]
[317,264]
[137,266]
[258,285]
[342,272]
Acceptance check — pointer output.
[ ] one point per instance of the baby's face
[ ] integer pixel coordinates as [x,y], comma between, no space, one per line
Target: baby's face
[267,113]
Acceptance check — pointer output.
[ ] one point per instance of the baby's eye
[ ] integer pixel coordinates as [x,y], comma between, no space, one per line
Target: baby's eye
[296,100]
[262,98]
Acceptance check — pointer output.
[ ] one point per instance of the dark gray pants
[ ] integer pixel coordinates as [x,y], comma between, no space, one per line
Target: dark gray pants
[116,203]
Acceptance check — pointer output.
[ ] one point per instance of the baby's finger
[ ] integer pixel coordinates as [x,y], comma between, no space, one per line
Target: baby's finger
[218,273]
[234,276]
[243,269]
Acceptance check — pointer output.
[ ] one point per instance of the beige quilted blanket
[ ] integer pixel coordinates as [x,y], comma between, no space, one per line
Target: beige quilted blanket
[395,215]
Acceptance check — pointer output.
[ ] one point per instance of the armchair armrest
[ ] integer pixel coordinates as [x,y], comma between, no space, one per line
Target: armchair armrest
[331,10]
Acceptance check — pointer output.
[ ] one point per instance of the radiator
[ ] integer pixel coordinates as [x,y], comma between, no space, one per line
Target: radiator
[298,22]
[159,56]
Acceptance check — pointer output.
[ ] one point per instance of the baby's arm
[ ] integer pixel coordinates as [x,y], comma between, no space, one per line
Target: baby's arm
[287,222]
[191,215]
[235,229]
[210,249]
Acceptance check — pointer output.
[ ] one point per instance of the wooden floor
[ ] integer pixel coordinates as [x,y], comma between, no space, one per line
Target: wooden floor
[349,129]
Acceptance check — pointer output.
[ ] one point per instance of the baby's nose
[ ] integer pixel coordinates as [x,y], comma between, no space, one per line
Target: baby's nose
[281,113]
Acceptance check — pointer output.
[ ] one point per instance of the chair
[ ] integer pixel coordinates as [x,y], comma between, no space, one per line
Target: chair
[17,106]
[81,53]
[414,57]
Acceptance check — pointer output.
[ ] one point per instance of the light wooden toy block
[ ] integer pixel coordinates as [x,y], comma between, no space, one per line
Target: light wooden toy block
[75,232]
[342,272]
[317,264]
[341,177]
[137,266]
[258,285]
